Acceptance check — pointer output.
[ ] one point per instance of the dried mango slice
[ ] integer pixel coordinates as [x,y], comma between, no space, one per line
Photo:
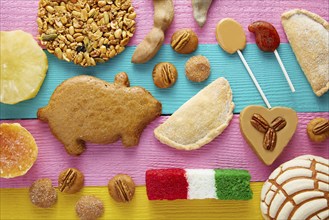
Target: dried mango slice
[18,150]
[23,67]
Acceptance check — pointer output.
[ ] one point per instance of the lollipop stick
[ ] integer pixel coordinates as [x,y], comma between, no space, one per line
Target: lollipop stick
[284,71]
[254,79]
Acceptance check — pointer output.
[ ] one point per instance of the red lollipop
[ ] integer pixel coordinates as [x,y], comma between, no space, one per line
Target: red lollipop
[267,39]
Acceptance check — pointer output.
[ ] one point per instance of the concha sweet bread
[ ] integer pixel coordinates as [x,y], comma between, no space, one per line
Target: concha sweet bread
[298,189]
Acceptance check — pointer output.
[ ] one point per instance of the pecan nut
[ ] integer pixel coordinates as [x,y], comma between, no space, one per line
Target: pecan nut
[180,41]
[318,129]
[278,123]
[321,127]
[122,188]
[70,181]
[259,123]
[270,135]
[184,41]
[269,141]
[164,75]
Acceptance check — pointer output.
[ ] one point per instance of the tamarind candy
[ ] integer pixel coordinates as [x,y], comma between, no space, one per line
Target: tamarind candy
[267,38]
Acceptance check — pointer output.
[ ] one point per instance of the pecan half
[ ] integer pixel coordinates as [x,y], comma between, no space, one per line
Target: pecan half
[278,123]
[122,188]
[259,123]
[262,125]
[164,75]
[181,40]
[269,141]
[184,41]
[321,127]
[70,180]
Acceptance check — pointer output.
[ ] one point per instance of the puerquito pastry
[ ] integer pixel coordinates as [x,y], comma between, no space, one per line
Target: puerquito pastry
[297,189]
[308,35]
[200,119]
[87,109]
[268,131]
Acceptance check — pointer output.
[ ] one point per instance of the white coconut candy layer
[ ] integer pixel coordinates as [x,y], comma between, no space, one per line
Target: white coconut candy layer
[201,184]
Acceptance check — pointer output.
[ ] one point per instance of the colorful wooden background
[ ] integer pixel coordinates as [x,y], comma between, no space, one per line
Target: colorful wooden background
[101,162]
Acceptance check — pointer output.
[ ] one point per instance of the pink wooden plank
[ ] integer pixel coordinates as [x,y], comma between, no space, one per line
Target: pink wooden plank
[101,162]
[21,14]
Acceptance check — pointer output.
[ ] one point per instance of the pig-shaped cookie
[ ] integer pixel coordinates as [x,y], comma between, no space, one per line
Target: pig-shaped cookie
[87,109]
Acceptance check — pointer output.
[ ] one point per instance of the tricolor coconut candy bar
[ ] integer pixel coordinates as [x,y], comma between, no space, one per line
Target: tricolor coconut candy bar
[175,183]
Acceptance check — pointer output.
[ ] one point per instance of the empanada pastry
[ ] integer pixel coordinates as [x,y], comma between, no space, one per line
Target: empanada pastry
[308,35]
[200,119]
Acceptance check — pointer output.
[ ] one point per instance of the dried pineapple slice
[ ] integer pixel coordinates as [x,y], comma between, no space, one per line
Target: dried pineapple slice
[23,66]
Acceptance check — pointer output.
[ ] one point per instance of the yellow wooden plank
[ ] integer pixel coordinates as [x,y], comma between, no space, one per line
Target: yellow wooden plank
[15,204]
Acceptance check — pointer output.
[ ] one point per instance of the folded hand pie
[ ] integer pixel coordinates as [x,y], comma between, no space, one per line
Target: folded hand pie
[200,119]
[308,35]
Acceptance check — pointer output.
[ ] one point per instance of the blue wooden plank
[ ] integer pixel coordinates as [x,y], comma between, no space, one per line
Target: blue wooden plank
[264,66]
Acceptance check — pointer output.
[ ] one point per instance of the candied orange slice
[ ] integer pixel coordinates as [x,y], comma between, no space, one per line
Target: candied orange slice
[18,150]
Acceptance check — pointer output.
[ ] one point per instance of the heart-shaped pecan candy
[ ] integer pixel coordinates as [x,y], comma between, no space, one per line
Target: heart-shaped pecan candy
[268,131]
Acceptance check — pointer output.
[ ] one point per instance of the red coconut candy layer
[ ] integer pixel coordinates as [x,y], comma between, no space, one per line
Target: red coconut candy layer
[166,184]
